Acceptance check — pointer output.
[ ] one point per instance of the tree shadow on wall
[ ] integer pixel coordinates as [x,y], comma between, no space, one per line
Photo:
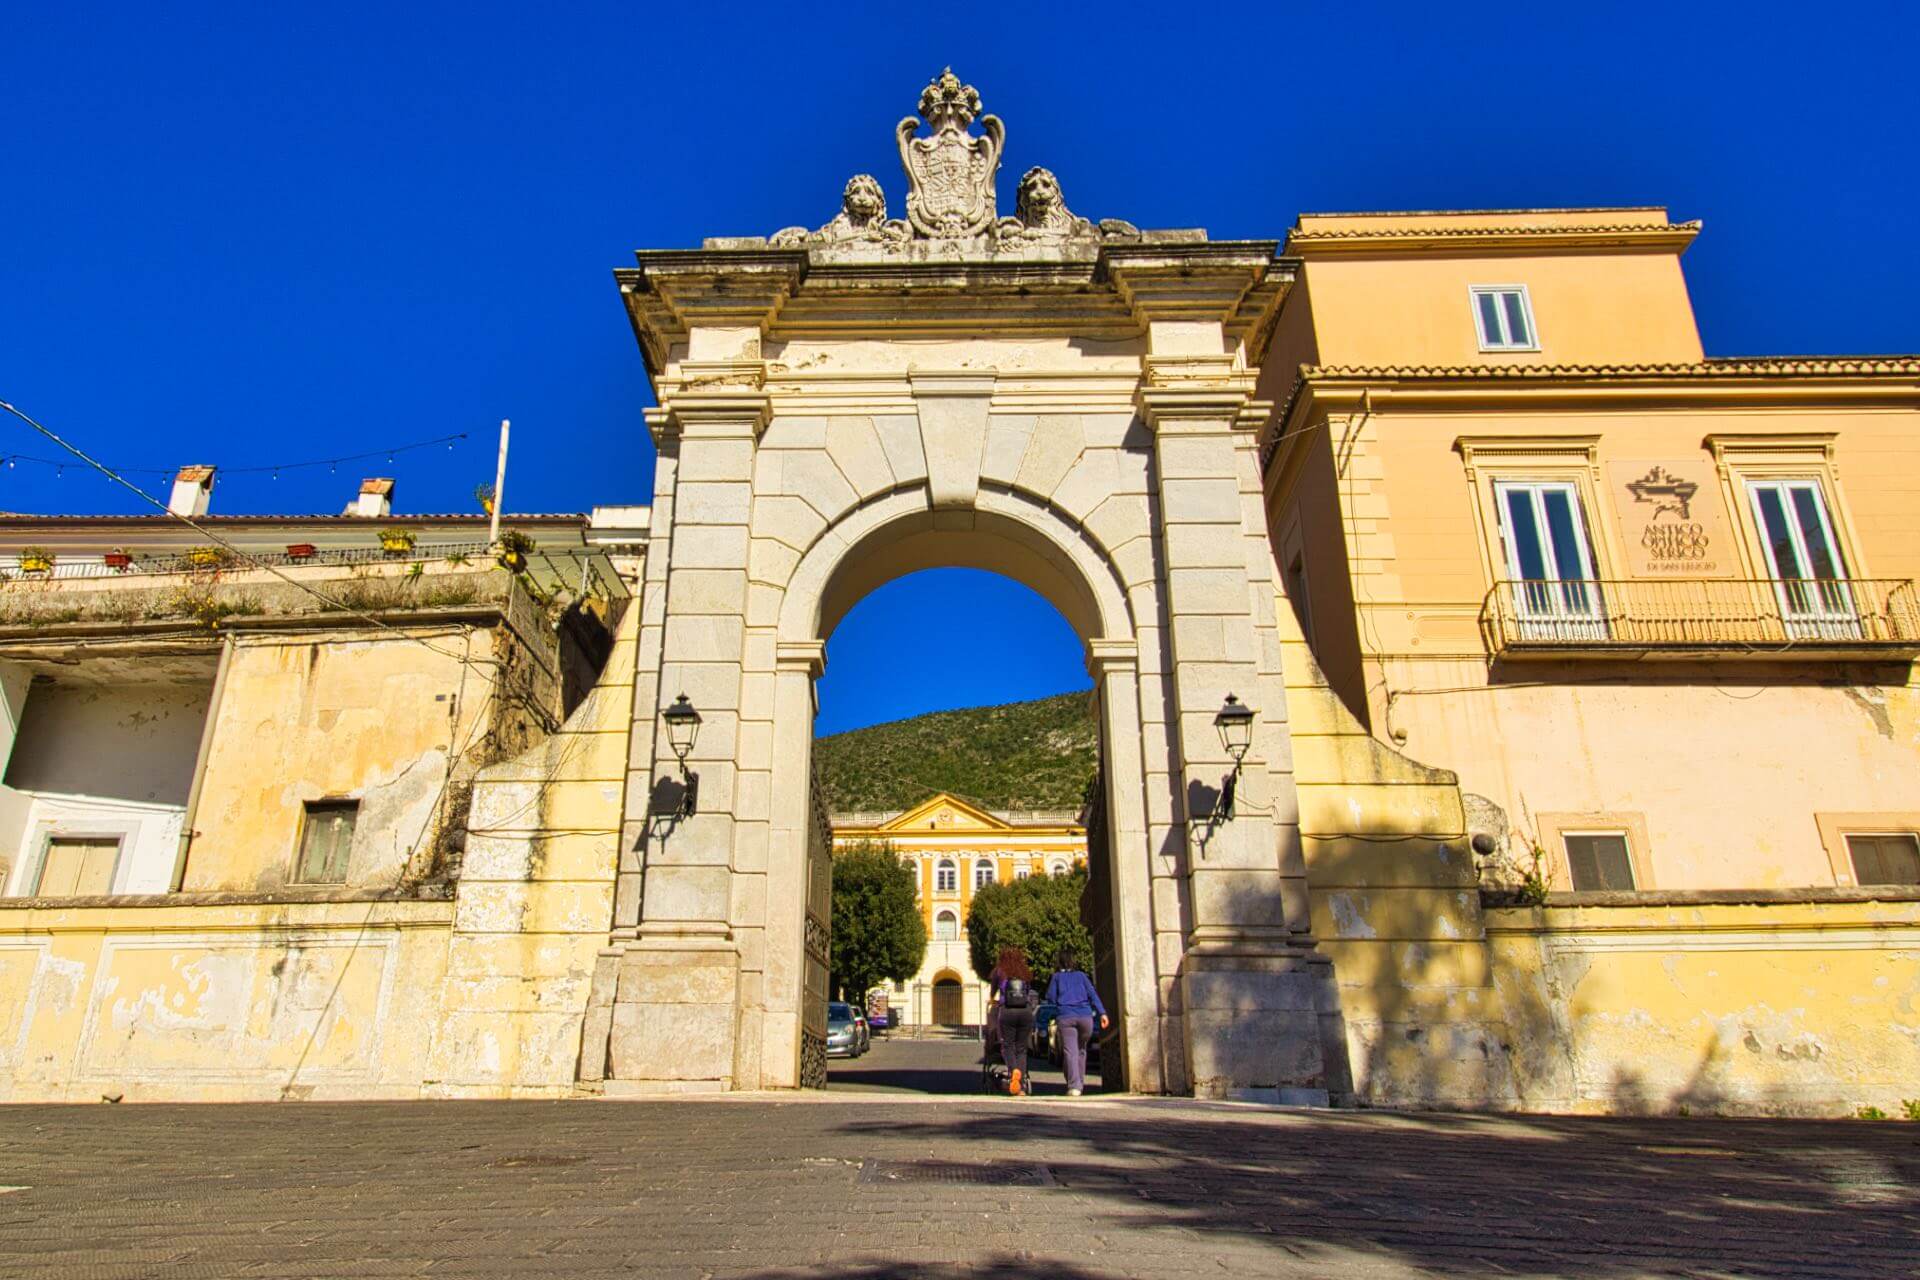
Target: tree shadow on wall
[1467,1195]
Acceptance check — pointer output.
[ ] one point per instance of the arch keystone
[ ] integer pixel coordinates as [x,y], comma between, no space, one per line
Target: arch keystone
[953,432]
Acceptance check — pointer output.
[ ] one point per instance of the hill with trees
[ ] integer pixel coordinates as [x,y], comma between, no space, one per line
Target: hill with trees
[1019,755]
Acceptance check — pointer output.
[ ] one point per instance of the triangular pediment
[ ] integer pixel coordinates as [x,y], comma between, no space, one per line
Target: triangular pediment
[944,812]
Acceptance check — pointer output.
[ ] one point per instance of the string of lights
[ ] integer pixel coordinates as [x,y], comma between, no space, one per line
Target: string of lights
[59,465]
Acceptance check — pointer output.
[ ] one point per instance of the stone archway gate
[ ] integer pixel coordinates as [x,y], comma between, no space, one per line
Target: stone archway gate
[1068,404]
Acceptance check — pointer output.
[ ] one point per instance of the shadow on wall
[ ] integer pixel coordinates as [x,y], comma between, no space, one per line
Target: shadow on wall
[1466,1195]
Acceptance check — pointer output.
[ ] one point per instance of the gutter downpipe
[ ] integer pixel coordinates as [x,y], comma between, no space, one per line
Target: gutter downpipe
[200,765]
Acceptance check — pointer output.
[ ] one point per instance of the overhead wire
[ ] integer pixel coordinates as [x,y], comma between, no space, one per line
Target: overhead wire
[10,459]
[498,685]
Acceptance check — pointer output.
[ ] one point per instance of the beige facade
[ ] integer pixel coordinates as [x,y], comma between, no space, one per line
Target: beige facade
[1663,673]
[955,849]
[1453,502]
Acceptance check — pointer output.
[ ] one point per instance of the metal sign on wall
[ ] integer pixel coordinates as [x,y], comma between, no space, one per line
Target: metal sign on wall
[1670,518]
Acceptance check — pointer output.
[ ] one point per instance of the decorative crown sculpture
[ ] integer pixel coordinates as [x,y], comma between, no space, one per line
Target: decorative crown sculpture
[947,99]
[950,187]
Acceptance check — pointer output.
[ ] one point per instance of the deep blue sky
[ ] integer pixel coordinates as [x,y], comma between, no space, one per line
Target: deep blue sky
[242,236]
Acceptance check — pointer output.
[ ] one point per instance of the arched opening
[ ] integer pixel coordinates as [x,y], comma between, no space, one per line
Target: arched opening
[949,1000]
[1082,594]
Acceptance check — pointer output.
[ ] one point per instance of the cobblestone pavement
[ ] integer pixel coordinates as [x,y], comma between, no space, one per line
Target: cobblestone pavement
[936,1061]
[881,1186]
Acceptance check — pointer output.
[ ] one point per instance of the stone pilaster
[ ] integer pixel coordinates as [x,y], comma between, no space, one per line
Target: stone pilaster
[1250,985]
[682,994]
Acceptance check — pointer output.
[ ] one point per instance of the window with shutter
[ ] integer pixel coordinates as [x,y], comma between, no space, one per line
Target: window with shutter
[326,842]
[78,866]
[1598,861]
[1885,858]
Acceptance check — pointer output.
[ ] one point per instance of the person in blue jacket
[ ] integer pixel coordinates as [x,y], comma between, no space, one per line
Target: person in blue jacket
[1071,991]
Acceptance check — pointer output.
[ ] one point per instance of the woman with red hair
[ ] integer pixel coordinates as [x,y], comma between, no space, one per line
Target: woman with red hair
[1012,1009]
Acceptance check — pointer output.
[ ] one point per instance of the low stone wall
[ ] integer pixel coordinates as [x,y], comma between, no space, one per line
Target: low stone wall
[219,997]
[1770,1003]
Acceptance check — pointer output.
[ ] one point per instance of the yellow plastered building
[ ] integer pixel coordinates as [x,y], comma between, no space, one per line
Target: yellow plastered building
[955,849]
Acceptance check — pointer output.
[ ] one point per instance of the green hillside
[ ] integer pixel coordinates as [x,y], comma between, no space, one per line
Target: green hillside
[1022,755]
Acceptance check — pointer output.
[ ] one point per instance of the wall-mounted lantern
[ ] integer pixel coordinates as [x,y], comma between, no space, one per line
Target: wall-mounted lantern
[675,799]
[683,726]
[1234,722]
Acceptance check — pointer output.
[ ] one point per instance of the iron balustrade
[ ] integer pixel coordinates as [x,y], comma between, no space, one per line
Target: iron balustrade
[1765,614]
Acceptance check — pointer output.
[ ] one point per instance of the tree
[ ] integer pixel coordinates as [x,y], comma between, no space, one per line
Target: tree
[877,932]
[1040,915]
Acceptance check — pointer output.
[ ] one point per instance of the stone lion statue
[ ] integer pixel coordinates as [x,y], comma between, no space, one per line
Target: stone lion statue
[1040,211]
[862,218]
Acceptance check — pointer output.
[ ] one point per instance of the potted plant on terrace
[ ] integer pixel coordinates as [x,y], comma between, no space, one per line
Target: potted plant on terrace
[299,551]
[119,558]
[207,557]
[36,560]
[514,547]
[483,494]
[397,542]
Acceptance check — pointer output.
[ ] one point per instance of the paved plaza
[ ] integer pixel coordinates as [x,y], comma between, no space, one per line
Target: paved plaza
[905,1184]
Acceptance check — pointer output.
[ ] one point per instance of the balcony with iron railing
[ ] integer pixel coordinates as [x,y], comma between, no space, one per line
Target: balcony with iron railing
[1874,618]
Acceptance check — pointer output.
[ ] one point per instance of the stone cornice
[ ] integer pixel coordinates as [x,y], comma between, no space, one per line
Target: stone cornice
[1109,292]
[1787,381]
[1617,237]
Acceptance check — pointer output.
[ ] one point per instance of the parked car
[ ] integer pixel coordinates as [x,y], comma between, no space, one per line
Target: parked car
[846,1032]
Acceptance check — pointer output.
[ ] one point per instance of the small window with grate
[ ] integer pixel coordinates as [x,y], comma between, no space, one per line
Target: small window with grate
[326,841]
[1891,857]
[1599,861]
[1504,317]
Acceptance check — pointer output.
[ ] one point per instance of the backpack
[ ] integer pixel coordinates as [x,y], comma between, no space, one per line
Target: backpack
[1016,993]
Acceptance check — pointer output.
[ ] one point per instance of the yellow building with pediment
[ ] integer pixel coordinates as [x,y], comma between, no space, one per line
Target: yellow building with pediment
[957,848]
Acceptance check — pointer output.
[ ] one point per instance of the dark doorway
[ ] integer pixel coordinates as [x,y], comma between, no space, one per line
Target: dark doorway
[949,1002]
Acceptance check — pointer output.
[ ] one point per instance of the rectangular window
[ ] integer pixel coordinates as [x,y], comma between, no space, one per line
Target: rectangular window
[78,866]
[983,874]
[1548,558]
[1889,858]
[1803,557]
[1504,317]
[326,841]
[1598,860]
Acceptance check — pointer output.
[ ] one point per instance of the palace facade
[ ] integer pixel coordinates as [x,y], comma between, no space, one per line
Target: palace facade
[955,850]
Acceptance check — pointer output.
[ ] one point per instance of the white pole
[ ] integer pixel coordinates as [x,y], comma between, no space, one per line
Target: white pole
[499,489]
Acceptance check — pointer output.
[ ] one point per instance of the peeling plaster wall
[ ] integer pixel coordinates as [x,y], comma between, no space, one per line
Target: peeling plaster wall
[103,759]
[218,1002]
[535,904]
[1790,1008]
[369,718]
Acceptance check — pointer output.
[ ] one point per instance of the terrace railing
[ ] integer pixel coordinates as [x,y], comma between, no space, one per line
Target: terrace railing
[1874,616]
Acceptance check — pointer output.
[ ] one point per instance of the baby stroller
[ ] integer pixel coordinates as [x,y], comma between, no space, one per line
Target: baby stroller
[993,1071]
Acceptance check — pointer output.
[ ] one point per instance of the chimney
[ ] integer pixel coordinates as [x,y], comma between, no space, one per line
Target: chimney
[192,491]
[376,498]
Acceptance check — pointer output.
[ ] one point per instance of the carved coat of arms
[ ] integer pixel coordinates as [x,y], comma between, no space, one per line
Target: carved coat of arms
[950,182]
[950,174]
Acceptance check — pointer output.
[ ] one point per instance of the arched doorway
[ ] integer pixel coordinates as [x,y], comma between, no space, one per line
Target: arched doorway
[1011,535]
[949,999]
